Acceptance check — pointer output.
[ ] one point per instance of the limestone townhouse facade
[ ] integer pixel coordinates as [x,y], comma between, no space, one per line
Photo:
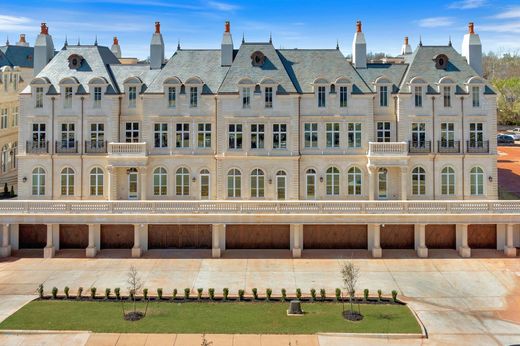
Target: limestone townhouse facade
[254,130]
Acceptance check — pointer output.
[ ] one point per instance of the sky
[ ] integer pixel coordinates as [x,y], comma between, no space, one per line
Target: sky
[293,24]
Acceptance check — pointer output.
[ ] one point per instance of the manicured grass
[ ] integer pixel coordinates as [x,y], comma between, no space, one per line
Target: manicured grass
[221,318]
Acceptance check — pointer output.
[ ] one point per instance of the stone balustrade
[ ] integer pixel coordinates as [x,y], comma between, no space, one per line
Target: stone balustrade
[387,148]
[121,149]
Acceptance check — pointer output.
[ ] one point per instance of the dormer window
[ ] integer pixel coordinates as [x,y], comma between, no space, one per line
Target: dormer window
[194,97]
[418,95]
[475,96]
[321,96]
[343,96]
[172,97]
[383,96]
[39,97]
[97,97]
[246,97]
[447,96]
[268,97]
[132,96]
[67,101]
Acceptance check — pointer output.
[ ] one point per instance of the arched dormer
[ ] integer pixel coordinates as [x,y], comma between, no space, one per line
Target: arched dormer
[268,82]
[417,80]
[172,81]
[100,81]
[195,80]
[40,86]
[246,82]
[193,87]
[342,81]
[133,80]
[320,81]
[446,80]
[382,80]
[475,88]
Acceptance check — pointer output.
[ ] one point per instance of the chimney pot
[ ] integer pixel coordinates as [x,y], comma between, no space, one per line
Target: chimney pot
[227,26]
[471,27]
[116,41]
[157,27]
[406,40]
[358,26]
[44,29]
[22,38]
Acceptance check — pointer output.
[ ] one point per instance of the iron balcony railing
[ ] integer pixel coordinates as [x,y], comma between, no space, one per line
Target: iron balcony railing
[37,147]
[66,147]
[477,147]
[448,147]
[95,147]
[420,147]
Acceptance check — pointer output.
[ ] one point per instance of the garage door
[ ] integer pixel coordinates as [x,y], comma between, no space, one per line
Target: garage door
[179,236]
[257,236]
[482,236]
[397,237]
[73,236]
[117,236]
[335,236]
[441,236]
[32,236]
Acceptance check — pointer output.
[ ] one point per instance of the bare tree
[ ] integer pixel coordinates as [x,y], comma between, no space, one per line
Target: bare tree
[135,284]
[350,274]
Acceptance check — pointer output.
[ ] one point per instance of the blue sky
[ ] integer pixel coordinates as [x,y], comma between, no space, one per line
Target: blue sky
[302,24]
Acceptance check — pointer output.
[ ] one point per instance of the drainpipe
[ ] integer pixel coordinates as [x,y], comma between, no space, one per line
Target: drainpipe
[299,145]
[119,119]
[396,122]
[433,144]
[80,145]
[52,147]
[214,143]
[462,146]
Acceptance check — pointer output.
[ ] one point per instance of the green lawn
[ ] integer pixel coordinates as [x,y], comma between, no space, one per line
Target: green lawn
[221,318]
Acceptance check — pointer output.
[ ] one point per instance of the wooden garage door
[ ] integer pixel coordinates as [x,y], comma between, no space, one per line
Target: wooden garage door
[441,236]
[32,236]
[73,236]
[335,236]
[482,236]
[117,236]
[179,236]
[397,237]
[257,236]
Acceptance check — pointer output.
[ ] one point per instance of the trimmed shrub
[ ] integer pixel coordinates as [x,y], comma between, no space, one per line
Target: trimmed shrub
[107,293]
[255,294]
[365,294]
[394,296]
[298,293]
[92,292]
[268,293]
[145,293]
[338,294]
[241,295]
[159,293]
[174,295]
[186,293]
[80,293]
[313,294]
[40,290]
[199,293]
[66,291]
[117,292]
[211,294]
[284,294]
[379,294]
[323,294]
[225,293]
[54,292]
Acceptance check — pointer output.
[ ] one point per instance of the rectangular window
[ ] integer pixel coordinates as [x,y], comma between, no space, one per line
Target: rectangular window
[418,96]
[279,136]
[383,131]
[97,97]
[67,101]
[332,131]
[419,135]
[383,96]
[204,135]
[39,97]
[194,97]
[447,135]
[447,96]
[182,136]
[235,136]
[68,135]
[160,135]
[475,92]
[268,97]
[321,96]
[257,136]
[97,135]
[132,132]
[3,118]
[476,135]
[132,96]
[246,97]
[343,96]
[172,97]
[38,133]
[15,116]
[311,135]
[354,135]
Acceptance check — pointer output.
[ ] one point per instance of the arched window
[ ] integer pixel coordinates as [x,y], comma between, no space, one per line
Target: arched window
[160,184]
[14,153]
[234,183]
[67,181]
[354,181]
[257,183]
[182,182]
[418,181]
[281,183]
[476,178]
[96,181]
[447,181]
[38,181]
[310,183]
[5,158]
[332,181]
[204,184]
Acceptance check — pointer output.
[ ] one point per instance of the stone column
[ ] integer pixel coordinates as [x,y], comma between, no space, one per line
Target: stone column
[91,249]
[420,240]
[377,252]
[404,185]
[49,250]
[296,240]
[464,250]
[5,250]
[137,251]
[509,249]
[371,182]
[144,183]
[218,236]
[111,184]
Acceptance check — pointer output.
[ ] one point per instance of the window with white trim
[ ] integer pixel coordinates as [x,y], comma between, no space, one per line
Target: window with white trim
[447,181]
[355,179]
[182,135]
[343,96]
[96,181]
[194,97]
[447,96]
[310,184]
[383,96]
[279,136]
[246,97]
[418,95]
[257,183]
[204,135]
[235,136]
[67,182]
[132,132]
[332,132]
[257,136]
[418,181]
[475,96]
[67,101]
[182,182]
[97,97]
[383,133]
[234,183]
[38,181]
[354,135]
[332,181]
[310,131]
[38,97]
[172,97]
[160,135]
[132,96]
[4,118]
[268,97]
[476,178]
[321,97]
[160,182]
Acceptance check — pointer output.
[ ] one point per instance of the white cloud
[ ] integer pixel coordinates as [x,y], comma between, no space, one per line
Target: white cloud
[467,4]
[222,6]
[15,23]
[435,22]
[512,12]
[501,27]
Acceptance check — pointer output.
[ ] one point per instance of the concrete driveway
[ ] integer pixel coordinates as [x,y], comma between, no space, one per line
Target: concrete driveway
[460,301]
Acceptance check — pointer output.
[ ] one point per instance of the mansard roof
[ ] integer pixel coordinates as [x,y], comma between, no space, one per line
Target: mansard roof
[305,65]
[393,72]
[189,63]
[422,65]
[21,56]
[142,72]
[242,67]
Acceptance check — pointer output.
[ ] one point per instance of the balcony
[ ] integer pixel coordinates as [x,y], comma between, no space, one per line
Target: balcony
[127,154]
[66,147]
[477,147]
[448,147]
[387,148]
[95,147]
[419,147]
[40,147]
